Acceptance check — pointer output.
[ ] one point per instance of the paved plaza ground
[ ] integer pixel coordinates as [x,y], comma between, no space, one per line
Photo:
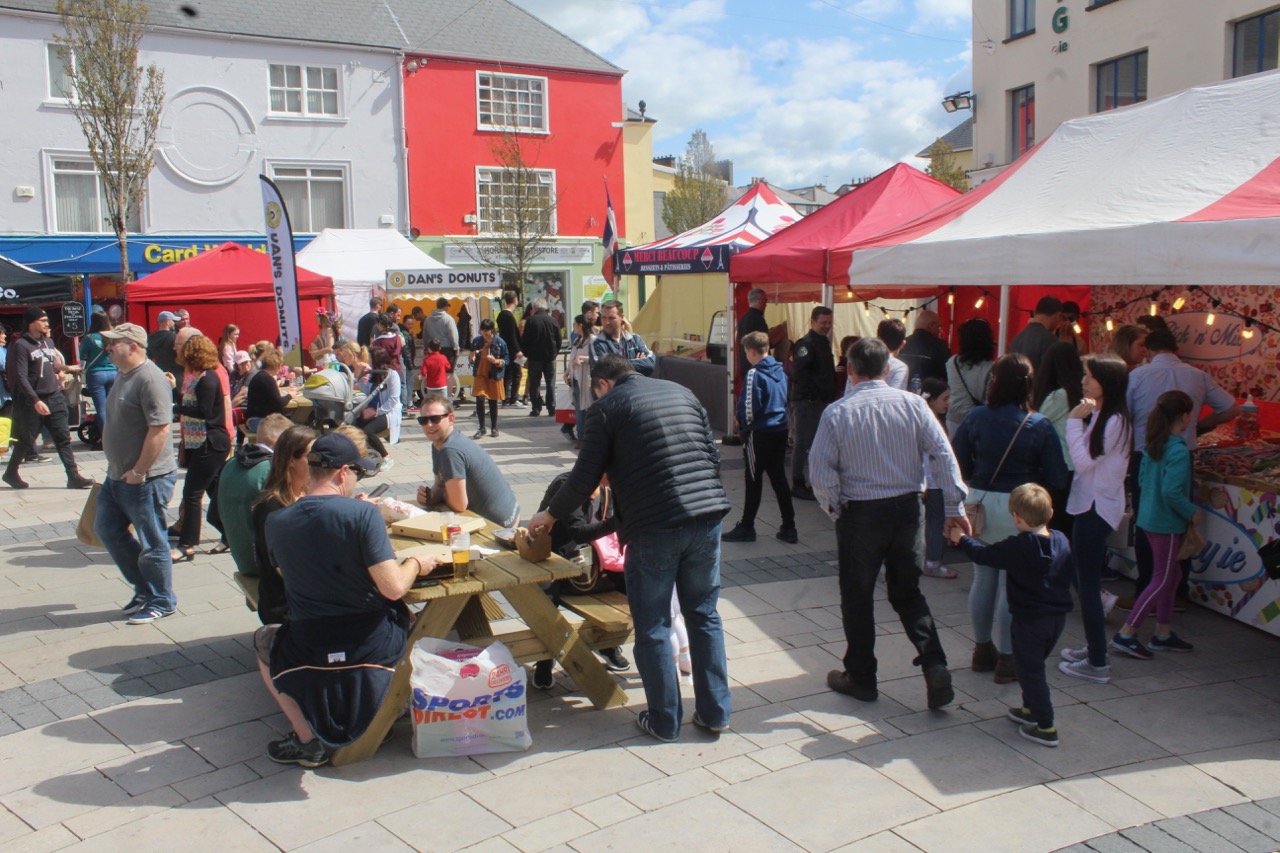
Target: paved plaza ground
[153,737]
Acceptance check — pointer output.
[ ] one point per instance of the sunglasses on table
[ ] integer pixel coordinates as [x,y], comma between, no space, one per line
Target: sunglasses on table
[431,419]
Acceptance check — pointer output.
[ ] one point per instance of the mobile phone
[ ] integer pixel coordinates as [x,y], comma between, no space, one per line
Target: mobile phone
[421,583]
[378,492]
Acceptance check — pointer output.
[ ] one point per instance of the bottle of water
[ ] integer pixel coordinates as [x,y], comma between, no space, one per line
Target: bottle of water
[1247,423]
[916,384]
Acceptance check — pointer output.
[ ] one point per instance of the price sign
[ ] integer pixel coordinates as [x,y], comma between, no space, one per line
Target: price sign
[73,320]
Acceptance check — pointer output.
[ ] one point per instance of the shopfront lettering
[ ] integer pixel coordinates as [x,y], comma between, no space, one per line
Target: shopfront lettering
[155,253]
[1061,20]
[1214,555]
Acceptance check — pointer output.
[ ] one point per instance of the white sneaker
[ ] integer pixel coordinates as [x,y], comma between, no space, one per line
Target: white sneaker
[1075,655]
[1087,671]
[1109,600]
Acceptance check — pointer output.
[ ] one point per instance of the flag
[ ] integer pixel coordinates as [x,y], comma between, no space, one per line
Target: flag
[610,239]
[284,274]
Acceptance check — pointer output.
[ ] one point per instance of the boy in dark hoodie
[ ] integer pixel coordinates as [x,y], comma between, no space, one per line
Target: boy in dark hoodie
[762,420]
[1038,568]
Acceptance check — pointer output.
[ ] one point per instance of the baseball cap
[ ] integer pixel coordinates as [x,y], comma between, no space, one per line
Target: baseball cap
[127,332]
[32,314]
[169,316]
[242,357]
[335,450]
[98,309]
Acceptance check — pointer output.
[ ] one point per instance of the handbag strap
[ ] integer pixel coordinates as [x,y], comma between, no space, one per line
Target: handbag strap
[1012,442]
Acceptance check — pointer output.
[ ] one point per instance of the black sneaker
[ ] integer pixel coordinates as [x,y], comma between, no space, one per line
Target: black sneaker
[739,533]
[615,660]
[78,482]
[1171,643]
[542,677]
[642,722]
[291,751]
[15,481]
[937,679]
[788,535]
[841,682]
[803,493]
[135,604]
[479,434]
[1022,716]
[1131,646]
[1044,737]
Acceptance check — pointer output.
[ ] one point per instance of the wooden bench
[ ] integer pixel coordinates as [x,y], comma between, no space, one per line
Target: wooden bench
[249,585]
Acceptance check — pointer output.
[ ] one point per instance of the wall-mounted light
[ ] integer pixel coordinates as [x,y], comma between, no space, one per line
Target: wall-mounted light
[959,101]
[1248,329]
[1111,327]
[978,304]
[1208,320]
[951,296]
[412,66]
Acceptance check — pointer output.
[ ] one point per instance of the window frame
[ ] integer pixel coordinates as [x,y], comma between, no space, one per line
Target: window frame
[1142,60]
[344,166]
[305,91]
[51,171]
[1015,126]
[553,229]
[496,128]
[50,96]
[1028,9]
[1261,20]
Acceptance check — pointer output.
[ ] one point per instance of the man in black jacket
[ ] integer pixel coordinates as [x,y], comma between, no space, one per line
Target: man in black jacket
[752,321]
[38,401]
[813,386]
[540,343]
[364,329]
[509,331]
[925,352]
[653,439]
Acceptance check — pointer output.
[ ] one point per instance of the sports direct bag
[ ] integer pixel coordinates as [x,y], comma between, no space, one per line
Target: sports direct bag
[467,700]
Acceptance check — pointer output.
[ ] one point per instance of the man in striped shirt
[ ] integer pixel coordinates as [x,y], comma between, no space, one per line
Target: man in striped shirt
[867,467]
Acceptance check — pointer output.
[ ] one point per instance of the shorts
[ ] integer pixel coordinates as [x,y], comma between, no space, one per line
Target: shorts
[263,640]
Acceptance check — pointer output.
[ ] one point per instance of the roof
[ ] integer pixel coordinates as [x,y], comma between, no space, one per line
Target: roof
[960,138]
[229,273]
[486,30]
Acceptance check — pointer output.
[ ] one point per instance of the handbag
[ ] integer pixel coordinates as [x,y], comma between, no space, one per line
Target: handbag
[6,431]
[976,512]
[1192,543]
[84,528]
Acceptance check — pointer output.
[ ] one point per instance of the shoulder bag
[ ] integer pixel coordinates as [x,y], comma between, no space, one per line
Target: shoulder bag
[976,512]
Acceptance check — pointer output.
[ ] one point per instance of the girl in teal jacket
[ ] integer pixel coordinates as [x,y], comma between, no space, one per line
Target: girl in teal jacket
[1165,475]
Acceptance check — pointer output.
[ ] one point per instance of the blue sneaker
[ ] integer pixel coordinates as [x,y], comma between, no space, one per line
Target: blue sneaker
[1171,643]
[149,614]
[1131,646]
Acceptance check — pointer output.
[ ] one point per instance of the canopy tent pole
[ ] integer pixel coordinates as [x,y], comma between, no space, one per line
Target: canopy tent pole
[1002,334]
[731,363]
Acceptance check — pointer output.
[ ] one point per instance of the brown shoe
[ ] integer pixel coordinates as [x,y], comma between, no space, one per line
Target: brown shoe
[1005,673]
[840,681]
[937,679]
[984,657]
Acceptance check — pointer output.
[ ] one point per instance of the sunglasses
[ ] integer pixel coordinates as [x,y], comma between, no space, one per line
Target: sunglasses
[431,419]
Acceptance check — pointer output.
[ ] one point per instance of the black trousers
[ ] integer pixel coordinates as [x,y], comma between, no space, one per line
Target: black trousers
[493,412]
[26,429]
[766,454]
[542,373]
[1035,639]
[203,465]
[511,380]
[371,428]
[888,532]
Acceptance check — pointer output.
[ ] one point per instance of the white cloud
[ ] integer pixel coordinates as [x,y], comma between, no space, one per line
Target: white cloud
[949,12]
[694,12]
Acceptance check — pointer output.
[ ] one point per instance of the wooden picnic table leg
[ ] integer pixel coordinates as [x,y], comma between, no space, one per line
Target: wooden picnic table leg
[436,621]
[563,643]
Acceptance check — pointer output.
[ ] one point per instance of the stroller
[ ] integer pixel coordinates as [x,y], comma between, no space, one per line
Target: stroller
[334,397]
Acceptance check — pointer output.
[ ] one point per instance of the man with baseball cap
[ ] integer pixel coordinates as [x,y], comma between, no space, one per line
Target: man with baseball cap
[33,379]
[330,665]
[141,472]
[160,342]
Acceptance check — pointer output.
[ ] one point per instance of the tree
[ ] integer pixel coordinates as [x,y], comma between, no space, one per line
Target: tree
[699,193]
[943,166]
[517,209]
[116,101]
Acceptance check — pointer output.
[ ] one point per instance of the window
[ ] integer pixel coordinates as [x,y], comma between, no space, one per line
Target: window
[505,197]
[304,90]
[508,102]
[80,201]
[1024,120]
[1022,17]
[59,83]
[1257,44]
[1121,82]
[314,195]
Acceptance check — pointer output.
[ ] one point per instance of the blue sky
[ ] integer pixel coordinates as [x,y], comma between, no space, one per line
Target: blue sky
[800,92]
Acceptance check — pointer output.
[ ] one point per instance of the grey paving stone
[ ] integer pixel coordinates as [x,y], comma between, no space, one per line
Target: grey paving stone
[1156,840]
[142,666]
[226,667]
[200,653]
[1112,844]
[1233,829]
[756,577]
[165,682]
[15,698]
[107,675]
[101,697]
[196,673]
[1076,848]
[1258,818]
[170,660]
[1272,805]
[68,706]
[45,690]
[7,725]
[1196,836]
[134,688]
[78,681]
[33,715]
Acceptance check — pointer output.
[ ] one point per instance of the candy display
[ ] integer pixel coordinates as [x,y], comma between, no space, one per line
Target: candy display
[1253,463]
[1238,570]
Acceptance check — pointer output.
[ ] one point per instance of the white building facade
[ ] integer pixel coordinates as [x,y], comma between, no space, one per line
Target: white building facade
[1037,63]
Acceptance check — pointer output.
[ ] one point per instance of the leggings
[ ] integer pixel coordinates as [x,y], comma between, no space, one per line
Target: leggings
[493,412]
[371,429]
[1166,572]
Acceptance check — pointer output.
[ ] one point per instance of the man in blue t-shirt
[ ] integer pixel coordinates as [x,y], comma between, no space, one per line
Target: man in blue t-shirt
[330,665]
[466,477]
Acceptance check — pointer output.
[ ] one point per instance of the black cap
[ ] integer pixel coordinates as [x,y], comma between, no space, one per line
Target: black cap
[335,450]
[32,314]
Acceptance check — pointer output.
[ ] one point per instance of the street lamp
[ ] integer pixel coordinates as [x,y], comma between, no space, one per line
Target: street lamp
[959,101]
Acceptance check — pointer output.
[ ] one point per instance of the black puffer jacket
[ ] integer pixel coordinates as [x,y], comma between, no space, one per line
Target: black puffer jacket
[541,338]
[652,438]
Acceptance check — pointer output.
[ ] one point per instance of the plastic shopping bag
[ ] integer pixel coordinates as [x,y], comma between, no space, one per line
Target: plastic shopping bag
[467,700]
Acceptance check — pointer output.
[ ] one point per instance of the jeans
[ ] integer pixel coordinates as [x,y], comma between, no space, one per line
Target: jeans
[807,414]
[1034,639]
[935,541]
[540,373]
[988,602]
[1089,546]
[203,464]
[577,410]
[765,453]
[26,429]
[686,558]
[98,383]
[142,556]
[406,388]
[869,533]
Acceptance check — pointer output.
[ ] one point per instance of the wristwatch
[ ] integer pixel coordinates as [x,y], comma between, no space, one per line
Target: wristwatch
[140,475]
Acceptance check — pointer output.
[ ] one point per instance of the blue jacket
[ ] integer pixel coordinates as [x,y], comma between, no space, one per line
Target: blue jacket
[1166,505]
[762,405]
[1036,457]
[497,349]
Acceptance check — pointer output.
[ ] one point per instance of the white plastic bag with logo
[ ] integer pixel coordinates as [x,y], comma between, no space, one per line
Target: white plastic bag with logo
[467,700]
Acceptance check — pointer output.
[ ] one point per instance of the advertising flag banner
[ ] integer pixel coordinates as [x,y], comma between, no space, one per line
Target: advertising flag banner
[609,239]
[284,274]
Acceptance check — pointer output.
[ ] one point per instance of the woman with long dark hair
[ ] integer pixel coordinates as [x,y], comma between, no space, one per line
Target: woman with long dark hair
[382,406]
[999,447]
[99,373]
[969,370]
[1056,392]
[1099,435]
[286,482]
[204,440]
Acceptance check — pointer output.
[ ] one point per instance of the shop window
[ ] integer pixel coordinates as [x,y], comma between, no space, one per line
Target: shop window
[1022,17]
[506,197]
[80,201]
[1257,44]
[511,102]
[1023,114]
[304,90]
[316,196]
[60,86]
[1121,82]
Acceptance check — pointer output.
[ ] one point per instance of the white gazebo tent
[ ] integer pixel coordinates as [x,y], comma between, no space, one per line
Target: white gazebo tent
[357,259]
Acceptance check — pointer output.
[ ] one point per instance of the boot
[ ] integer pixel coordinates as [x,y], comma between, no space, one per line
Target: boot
[984,657]
[1005,673]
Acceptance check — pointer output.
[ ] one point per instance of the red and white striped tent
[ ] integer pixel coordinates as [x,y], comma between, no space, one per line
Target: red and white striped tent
[1182,190]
